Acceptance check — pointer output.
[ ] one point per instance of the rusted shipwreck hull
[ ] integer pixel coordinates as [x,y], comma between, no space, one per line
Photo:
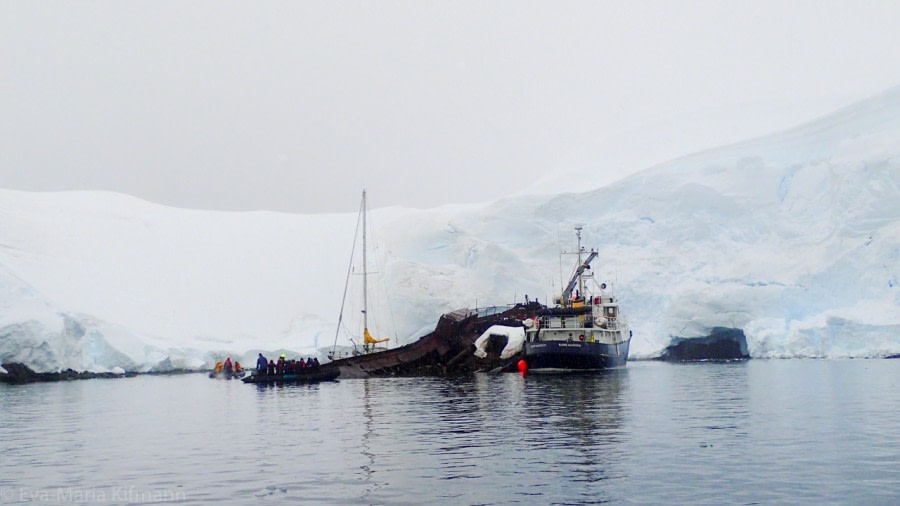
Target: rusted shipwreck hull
[446,350]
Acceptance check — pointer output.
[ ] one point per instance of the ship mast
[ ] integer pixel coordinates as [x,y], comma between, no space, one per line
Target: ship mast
[580,281]
[576,279]
[369,342]
[365,281]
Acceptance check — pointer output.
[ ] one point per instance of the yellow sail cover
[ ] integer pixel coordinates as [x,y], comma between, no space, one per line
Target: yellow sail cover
[372,340]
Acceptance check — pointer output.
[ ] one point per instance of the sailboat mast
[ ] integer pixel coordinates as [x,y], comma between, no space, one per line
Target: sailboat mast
[365,288]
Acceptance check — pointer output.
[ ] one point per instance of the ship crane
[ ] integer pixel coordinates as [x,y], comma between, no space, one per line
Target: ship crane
[567,293]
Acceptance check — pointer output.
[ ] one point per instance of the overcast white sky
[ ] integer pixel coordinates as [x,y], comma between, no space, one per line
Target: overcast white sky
[297,106]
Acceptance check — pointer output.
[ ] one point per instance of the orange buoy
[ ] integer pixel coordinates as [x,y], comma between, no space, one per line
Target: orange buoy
[523,366]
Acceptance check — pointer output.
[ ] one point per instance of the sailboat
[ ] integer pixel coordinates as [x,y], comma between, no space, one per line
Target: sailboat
[370,344]
[445,350]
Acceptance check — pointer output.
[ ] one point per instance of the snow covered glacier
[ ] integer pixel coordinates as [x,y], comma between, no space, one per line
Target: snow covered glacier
[794,238]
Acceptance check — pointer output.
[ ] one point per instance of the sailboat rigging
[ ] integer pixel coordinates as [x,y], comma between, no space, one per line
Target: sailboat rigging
[369,343]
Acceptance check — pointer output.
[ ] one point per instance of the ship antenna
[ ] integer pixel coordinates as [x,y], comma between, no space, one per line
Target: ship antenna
[580,280]
[561,280]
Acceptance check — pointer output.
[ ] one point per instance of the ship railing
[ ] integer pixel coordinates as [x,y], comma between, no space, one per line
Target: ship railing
[615,323]
[492,310]
[619,322]
[580,321]
[563,322]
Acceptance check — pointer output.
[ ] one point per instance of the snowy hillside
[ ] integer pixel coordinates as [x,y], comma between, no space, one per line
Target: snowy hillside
[794,238]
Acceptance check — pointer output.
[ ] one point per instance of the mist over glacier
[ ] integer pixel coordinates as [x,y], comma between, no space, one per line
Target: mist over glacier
[793,238]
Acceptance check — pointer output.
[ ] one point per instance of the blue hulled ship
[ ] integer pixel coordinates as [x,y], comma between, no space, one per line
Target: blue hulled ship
[583,331]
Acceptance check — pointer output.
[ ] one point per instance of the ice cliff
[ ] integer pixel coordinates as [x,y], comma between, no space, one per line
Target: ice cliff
[793,238]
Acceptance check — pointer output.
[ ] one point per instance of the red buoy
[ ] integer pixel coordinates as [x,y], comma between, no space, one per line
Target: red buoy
[523,366]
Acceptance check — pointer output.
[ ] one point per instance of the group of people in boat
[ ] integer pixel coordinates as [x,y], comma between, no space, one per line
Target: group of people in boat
[284,366]
[228,368]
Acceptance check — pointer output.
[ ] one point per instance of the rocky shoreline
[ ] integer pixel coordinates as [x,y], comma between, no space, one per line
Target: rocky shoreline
[19,374]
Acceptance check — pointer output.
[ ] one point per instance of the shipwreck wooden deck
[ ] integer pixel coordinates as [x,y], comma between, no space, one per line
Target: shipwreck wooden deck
[436,353]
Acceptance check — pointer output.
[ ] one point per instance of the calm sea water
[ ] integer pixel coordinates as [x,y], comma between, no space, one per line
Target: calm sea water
[742,433]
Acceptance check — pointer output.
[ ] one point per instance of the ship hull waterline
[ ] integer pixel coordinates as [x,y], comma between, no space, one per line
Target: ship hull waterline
[552,356]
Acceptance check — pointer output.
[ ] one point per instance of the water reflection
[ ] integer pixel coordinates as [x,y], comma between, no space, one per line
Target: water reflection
[368,466]
[763,432]
[586,428]
[576,422]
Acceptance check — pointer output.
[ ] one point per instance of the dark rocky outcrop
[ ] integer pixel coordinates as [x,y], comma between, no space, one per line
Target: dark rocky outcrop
[720,344]
[21,373]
